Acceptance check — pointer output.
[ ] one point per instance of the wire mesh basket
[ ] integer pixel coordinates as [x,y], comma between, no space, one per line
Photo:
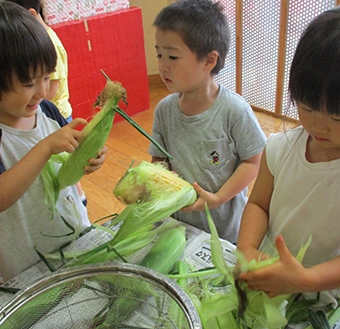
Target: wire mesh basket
[120,296]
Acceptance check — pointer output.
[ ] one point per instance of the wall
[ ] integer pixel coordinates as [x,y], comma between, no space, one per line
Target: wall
[150,9]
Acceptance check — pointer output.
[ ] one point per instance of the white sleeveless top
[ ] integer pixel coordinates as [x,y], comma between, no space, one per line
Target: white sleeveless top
[305,200]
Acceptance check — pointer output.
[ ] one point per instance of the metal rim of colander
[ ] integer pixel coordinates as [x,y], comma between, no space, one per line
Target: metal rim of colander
[82,272]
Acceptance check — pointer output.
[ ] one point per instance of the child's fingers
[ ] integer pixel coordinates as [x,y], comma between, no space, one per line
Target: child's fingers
[76,122]
[70,145]
[91,169]
[103,151]
[98,161]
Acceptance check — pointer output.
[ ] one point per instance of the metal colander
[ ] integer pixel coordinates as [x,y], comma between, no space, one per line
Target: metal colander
[124,296]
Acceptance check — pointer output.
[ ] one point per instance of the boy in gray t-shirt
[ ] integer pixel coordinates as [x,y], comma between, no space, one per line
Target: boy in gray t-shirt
[211,132]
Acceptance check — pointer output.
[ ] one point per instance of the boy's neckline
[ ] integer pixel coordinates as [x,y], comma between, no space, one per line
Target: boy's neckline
[23,123]
[190,105]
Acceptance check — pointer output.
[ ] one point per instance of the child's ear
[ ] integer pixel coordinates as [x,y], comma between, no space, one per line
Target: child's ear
[33,12]
[211,60]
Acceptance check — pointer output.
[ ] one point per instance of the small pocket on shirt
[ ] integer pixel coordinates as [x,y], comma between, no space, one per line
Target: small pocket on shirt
[216,153]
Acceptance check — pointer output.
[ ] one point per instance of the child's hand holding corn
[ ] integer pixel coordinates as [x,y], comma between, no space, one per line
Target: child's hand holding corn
[286,276]
[203,197]
[66,138]
[95,164]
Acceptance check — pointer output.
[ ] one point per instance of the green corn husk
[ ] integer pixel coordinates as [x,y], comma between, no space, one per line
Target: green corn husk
[152,194]
[124,248]
[166,251]
[95,135]
[26,316]
[51,186]
[218,306]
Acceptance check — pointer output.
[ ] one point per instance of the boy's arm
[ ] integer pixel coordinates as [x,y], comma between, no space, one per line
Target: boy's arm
[16,180]
[237,182]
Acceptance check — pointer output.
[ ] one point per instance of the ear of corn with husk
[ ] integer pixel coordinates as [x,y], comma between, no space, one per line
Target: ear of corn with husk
[151,193]
[95,135]
[166,251]
[125,248]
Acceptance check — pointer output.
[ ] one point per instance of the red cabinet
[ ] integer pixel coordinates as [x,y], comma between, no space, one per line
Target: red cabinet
[113,42]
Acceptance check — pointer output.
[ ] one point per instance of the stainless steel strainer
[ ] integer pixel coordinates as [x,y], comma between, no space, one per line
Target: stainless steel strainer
[119,296]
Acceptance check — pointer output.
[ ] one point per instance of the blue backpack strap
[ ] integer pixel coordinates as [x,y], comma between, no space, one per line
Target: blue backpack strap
[2,167]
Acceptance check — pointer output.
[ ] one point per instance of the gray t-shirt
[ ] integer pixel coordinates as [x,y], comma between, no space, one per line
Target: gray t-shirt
[207,149]
[24,224]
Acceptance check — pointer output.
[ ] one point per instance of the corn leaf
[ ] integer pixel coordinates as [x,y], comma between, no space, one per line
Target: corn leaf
[51,186]
[217,257]
[334,317]
[72,170]
[139,128]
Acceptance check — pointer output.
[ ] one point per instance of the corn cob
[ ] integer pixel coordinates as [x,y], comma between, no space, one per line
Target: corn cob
[146,182]
[166,251]
[94,135]
[151,193]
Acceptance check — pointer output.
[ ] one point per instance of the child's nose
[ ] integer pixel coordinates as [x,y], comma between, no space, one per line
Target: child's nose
[162,66]
[42,89]
[320,123]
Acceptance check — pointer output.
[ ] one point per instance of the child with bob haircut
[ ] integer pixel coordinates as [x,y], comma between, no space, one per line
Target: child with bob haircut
[29,134]
[296,194]
[211,132]
[58,92]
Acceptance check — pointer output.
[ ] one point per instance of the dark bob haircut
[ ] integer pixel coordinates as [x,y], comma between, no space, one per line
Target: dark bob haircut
[35,4]
[25,46]
[315,71]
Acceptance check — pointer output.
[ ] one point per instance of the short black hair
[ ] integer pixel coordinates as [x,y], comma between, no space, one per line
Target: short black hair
[202,26]
[35,4]
[25,46]
[315,71]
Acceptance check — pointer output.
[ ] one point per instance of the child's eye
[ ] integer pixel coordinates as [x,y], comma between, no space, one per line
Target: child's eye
[47,78]
[306,109]
[173,57]
[159,56]
[336,119]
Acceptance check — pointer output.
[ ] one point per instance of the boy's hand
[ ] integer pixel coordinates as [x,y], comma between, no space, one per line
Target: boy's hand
[66,138]
[203,197]
[286,276]
[95,164]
